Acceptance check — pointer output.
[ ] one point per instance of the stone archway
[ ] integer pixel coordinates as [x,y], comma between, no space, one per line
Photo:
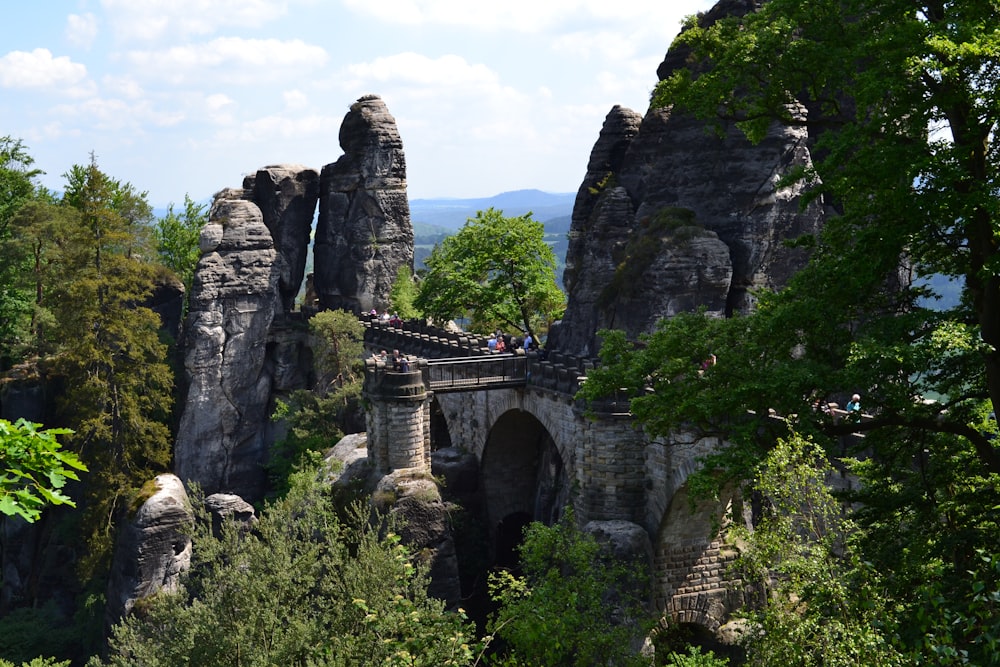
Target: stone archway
[691,560]
[521,471]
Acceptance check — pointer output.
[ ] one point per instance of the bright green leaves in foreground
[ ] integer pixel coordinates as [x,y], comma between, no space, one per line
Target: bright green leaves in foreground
[496,271]
[34,469]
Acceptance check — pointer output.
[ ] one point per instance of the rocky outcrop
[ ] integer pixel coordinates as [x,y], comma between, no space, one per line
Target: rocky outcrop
[363,234]
[153,548]
[671,217]
[425,527]
[286,196]
[221,441]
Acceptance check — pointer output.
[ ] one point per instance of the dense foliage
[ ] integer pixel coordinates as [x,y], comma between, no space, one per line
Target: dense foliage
[177,236]
[403,295]
[315,418]
[497,272]
[903,107]
[573,606]
[78,271]
[301,586]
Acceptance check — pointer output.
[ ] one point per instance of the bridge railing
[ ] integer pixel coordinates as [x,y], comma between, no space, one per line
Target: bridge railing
[470,373]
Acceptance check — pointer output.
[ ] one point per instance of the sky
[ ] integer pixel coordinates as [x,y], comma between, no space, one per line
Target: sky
[185,97]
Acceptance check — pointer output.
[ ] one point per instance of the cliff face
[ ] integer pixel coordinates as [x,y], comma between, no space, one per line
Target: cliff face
[286,196]
[671,217]
[364,234]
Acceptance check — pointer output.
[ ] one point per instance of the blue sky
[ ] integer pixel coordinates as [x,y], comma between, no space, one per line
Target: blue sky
[187,96]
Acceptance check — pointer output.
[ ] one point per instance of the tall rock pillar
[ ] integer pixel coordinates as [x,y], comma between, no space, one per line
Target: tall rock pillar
[364,234]
[220,440]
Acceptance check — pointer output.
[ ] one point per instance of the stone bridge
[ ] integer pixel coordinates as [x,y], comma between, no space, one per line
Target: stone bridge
[539,449]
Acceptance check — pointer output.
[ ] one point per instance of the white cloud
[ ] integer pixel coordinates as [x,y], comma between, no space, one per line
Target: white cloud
[527,16]
[38,69]
[81,30]
[153,19]
[218,101]
[116,115]
[295,100]
[413,68]
[238,60]
[122,86]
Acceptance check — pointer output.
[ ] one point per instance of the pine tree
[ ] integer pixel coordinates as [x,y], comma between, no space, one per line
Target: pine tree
[118,395]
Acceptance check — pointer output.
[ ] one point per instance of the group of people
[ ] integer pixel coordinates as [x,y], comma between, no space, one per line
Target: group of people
[499,342]
[852,409]
[400,362]
[385,317]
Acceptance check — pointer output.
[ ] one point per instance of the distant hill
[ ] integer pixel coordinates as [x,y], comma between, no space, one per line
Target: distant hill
[452,213]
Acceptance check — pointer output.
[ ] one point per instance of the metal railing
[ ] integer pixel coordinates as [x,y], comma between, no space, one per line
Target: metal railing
[471,373]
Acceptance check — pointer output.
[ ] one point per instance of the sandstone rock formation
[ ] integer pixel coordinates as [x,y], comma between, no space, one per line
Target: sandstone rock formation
[671,217]
[286,196]
[244,344]
[153,549]
[426,528]
[364,233]
[220,441]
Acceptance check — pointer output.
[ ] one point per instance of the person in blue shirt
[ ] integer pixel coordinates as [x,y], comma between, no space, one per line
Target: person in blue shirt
[854,407]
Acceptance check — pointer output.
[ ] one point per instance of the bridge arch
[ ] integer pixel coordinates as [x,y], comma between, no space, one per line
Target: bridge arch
[523,475]
[692,559]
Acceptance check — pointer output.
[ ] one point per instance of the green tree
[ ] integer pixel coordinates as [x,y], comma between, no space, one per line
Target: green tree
[573,606]
[38,234]
[337,345]
[301,587]
[496,271]
[17,187]
[403,295]
[118,385]
[315,418]
[902,102]
[177,237]
[34,469]
[823,603]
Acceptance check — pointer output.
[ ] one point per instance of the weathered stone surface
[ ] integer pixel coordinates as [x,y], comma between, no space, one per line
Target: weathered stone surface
[221,439]
[226,505]
[727,190]
[426,528]
[363,234]
[286,196]
[352,453]
[458,468]
[153,548]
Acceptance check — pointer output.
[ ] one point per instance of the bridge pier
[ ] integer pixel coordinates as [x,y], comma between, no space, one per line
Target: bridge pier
[610,468]
[398,420]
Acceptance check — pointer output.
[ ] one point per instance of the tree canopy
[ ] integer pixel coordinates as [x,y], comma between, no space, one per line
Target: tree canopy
[497,272]
[901,100]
